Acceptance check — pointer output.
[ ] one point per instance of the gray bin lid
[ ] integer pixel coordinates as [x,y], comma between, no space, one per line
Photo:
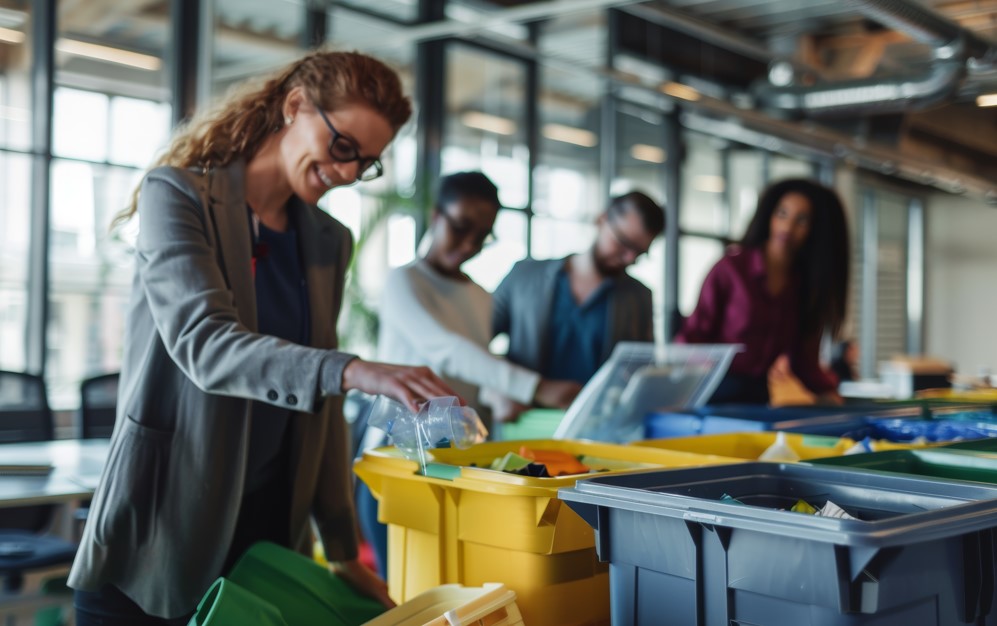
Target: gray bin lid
[897,510]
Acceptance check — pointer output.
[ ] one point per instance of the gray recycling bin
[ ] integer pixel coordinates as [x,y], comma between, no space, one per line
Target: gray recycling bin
[920,553]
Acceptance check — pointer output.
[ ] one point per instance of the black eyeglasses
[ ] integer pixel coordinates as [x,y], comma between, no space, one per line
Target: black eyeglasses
[626,243]
[344,150]
[481,240]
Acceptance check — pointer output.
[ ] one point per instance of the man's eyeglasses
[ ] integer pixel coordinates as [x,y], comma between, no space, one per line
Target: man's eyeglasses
[637,251]
[481,240]
[345,150]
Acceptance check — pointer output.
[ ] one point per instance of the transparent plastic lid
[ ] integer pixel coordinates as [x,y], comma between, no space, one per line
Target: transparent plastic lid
[640,378]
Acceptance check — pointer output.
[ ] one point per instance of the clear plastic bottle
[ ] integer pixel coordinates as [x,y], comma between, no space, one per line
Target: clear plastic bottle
[780,451]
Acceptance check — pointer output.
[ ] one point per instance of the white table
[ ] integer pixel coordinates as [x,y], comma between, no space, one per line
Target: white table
[73,461]
[76,468]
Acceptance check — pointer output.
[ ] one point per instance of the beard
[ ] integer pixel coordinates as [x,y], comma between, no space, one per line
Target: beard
[605,267]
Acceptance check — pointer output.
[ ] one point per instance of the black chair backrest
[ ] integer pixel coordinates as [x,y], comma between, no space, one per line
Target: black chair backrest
[98,405]
[25,417]
[24,412]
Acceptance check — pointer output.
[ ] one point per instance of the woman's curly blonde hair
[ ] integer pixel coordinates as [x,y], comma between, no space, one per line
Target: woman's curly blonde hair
[238,126]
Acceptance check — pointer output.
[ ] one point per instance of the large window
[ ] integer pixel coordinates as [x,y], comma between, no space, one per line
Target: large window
[15,68]
[704,214]
[640,161]
[15,177]
[384,214]
[251,38]
[15,174]
[111,115]
[703,206]
[486,130]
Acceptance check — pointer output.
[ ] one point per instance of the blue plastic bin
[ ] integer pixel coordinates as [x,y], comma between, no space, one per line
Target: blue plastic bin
[930,430]
[812,420]
[922,553]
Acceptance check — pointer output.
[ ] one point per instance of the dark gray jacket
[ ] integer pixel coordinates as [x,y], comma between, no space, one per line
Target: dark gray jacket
[165,510]
[522,304]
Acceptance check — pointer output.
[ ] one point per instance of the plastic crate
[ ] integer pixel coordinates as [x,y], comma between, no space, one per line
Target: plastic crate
[921,554]
[492,604]
[469,525]
[934,463]
[750,446]
[979,446]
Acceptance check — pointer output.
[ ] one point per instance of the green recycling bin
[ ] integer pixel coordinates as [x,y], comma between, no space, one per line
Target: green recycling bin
[932,463]
[228,604]
[301,592]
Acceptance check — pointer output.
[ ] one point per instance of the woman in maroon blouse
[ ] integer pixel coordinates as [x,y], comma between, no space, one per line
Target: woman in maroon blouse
[778,292]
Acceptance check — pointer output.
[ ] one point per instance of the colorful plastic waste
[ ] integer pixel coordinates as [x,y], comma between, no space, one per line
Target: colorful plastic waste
[558,463]
[730,499]
[802,506]
[833,510]
[511,462]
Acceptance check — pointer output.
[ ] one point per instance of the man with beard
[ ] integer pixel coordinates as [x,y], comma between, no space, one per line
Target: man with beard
[565,316]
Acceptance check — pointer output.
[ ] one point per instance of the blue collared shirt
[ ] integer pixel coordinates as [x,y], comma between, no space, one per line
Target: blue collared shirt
[282,311]
[576,332]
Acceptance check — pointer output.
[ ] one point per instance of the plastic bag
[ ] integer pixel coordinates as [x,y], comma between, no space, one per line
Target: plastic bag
[440,422]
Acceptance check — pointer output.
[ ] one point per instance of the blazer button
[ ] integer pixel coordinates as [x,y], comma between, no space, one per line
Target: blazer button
[292,399]
[272,395]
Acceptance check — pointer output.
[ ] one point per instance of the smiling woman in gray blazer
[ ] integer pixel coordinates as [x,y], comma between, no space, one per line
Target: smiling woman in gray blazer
[230,427]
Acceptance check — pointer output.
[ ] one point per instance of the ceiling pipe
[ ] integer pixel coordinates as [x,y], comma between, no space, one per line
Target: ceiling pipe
[924,25]
[871,95]
[953,46]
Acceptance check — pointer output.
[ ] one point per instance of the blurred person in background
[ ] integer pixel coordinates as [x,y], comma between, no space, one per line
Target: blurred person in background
[565,316]
[432,313]
[778,292]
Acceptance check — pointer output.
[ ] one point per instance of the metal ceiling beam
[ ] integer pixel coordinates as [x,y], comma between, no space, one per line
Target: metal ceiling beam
[527,13]
[923,24]
[754,127]
[701,29]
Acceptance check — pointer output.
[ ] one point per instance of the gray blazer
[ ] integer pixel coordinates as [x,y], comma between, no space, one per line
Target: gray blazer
[522,304]
[163,516]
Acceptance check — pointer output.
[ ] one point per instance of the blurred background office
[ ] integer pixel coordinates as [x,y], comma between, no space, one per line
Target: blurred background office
[699,103]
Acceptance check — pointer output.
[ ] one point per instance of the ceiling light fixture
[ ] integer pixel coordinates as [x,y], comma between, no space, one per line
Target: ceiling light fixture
[570,134]
[9,35]
[987,100]
[678,90]
[651,154]
[108,54]
[709,183]
[488,123]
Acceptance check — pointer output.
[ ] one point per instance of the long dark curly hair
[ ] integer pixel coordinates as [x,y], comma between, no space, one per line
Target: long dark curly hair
[823,260]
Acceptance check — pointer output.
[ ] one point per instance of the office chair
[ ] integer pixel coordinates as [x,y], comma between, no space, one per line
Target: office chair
[25,416]
[98,404]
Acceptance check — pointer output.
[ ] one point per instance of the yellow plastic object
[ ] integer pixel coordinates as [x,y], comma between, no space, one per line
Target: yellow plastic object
[475,525]
[492,604]
[882,445]
[971,395]
[751,445]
